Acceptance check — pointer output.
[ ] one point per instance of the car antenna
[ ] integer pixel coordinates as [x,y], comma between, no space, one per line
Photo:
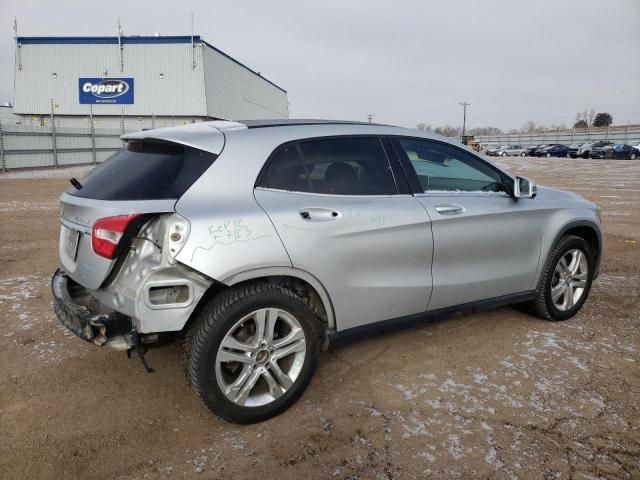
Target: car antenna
[76,184]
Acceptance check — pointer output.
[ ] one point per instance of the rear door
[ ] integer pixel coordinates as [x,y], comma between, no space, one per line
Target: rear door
[336,206]
[486,244]
[143,179]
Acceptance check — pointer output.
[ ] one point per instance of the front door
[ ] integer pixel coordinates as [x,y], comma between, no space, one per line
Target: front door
[336,207]
[486,243]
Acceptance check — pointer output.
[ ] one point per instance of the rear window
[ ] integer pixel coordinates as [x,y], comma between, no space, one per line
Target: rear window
[145,172]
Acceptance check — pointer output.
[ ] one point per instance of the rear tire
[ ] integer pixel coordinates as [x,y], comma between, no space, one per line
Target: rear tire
[562,291]
[523,154]
[632,156]
[265,380]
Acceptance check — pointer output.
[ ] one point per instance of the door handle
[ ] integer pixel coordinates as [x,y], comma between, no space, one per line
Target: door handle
[319,214]
[449,209]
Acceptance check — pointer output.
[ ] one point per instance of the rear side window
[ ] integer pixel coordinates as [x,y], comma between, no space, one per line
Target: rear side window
[285,171]
[145,172]
[348,166]
[334,166]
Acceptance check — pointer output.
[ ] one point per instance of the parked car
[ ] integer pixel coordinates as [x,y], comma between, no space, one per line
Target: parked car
[555,150]
[531,151]
[625,151]
[601,150]
[512,151]
[258,243]
[573,149]
[585,150]
[493,152]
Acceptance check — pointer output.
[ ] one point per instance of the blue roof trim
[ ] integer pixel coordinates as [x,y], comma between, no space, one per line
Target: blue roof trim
[242,65]
[134,40]
[106,40]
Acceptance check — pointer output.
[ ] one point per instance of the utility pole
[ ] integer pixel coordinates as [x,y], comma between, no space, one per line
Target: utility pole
[464,117]
[370,118]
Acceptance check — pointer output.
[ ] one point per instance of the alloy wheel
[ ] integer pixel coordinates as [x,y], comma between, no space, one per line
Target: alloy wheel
[569,279]
[260,357]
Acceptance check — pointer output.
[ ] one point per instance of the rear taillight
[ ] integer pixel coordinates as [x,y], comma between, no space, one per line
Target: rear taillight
[107,232]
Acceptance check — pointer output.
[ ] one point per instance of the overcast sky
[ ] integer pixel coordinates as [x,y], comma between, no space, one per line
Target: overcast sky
[405,62]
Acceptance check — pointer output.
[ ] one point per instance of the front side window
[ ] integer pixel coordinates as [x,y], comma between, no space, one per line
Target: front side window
[348,166]
[441,167]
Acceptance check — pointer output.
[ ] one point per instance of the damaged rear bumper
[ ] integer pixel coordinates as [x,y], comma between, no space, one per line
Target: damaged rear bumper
[110,328]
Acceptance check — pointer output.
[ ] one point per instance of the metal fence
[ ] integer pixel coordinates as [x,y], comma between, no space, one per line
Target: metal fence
[629,134]
[25,146]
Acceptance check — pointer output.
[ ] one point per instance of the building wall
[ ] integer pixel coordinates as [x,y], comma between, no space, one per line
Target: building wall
[235,93]
[7,117]
[179,93]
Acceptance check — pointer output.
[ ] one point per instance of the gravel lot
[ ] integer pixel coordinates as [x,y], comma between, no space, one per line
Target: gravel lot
[492,395]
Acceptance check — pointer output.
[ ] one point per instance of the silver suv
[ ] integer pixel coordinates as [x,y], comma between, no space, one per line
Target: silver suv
[257,244]
[512,151]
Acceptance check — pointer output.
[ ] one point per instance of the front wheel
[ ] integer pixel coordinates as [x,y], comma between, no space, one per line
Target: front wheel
[548,155]
[252,352]
[523,154]
[633,156]
[566,279]
[504,154]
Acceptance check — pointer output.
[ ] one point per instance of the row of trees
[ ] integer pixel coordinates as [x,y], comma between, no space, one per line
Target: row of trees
[585,119]
[590,118]
[456,131]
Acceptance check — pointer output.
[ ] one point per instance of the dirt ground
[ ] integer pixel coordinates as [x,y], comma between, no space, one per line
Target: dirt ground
[493,395]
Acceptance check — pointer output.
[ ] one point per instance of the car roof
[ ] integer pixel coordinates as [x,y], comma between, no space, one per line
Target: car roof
[283,122]
[211,135]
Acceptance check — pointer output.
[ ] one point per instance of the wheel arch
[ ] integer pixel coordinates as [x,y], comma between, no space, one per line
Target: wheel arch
[300,281]
[586,230]
[308,287]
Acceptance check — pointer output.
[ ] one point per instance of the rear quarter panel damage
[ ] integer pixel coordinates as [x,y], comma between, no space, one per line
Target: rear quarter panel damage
[229,231]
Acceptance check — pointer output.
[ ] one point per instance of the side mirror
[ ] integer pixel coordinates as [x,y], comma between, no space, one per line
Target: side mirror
[524,188]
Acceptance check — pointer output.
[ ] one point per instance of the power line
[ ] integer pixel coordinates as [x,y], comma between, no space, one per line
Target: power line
[542,115]
[634,94]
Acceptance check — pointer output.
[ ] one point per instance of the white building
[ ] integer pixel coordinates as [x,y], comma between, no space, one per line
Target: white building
[141,81]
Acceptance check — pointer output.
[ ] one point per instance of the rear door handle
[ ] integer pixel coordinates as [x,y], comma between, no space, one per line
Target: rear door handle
[449,209]
[319,214]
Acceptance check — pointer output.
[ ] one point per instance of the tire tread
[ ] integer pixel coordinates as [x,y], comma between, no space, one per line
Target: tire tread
[207,321]
[539,304]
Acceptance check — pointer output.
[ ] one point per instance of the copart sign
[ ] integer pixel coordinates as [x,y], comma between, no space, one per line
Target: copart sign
[106,90]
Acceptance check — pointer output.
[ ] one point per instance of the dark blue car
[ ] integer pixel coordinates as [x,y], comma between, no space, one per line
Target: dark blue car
[554,151]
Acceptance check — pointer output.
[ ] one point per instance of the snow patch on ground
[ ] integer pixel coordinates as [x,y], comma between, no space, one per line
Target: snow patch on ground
[41,335]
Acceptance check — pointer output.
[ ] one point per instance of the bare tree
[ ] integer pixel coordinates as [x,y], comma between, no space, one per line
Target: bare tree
[591,117]
[425,127]
[530,126]
[485,131]
[448,131]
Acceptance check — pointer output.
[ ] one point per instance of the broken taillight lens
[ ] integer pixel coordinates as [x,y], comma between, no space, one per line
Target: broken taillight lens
[107,233]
